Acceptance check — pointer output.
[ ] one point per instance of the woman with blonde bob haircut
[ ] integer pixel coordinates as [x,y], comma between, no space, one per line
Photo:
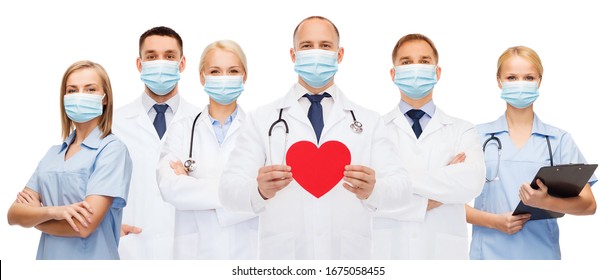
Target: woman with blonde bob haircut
[516,146]
[107,115]
[193,158]
[76,195]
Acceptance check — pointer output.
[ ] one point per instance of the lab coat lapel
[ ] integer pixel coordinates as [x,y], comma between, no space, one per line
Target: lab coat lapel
[236,124]
[293,109]
[182,111]
[400,121]
[337,113]
[439,120]
[205,120]
[138,113]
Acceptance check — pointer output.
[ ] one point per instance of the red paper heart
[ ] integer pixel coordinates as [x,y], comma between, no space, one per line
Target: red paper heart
[316,169]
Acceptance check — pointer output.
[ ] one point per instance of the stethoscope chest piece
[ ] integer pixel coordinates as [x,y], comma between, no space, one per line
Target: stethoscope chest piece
[356,126]
[190,165]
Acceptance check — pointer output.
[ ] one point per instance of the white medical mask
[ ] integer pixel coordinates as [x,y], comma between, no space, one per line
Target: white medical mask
[160,76]
[83,107]
[416,80]
[316,67]
[520,94]
[224,89]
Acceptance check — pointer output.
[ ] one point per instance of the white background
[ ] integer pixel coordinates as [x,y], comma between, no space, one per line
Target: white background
[40,39]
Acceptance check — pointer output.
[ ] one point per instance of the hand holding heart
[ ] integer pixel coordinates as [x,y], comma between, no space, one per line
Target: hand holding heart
[320,169]
[359,180]
[273,178]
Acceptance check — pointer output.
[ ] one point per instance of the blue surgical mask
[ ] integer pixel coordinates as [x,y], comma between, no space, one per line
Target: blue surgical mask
[160,76]
[83,107]
[316,67]
[416,80]
[224,89]
[519,94]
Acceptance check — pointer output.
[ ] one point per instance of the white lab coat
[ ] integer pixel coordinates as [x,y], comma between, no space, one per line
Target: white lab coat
[441,233]
[203,230]
[145,207]
[294,224]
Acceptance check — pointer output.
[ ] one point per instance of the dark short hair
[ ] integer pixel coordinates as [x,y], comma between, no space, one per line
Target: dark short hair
[316,17]
[414,37]
[161,31]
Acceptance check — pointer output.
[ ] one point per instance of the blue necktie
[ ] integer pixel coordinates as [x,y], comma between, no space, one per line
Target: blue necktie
[160,122]
[416,115]
[315,112]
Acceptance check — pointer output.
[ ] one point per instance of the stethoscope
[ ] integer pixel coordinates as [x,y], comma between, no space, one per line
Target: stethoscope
[499,146]
[356,126]
[190,164]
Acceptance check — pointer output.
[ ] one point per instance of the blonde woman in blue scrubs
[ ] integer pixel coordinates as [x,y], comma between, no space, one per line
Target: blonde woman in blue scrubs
[76,195]
[525,141]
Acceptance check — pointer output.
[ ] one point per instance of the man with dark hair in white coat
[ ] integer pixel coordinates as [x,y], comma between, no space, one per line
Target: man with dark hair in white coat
[148,221]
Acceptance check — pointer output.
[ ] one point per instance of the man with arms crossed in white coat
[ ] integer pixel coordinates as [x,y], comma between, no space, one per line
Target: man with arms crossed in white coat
[296,221]
[148,222]
[443,156]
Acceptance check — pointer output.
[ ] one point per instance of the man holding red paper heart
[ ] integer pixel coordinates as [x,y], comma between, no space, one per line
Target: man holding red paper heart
[443,155]
[340,165]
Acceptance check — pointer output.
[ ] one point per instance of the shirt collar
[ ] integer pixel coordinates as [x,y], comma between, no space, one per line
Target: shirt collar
[228,120]
[148,102]
[300,91]
[501,125]
[429,108]
[538,127]
[92,141]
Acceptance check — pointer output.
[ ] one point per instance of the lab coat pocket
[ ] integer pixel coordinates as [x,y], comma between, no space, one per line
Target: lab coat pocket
[382,243]
[186,246]
[277,247]
[252,248]
[157,246]
[451,247]
[355,246]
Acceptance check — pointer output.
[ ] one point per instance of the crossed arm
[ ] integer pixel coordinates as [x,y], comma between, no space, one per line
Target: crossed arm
[75,220]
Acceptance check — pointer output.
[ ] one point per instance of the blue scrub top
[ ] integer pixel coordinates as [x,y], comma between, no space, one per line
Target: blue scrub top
[101,167]
[539,239]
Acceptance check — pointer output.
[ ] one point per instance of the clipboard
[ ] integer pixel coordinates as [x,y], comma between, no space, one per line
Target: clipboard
[563,181]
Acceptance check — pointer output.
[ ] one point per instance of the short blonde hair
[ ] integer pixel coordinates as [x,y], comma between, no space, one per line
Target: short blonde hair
[107,115]
[524,52]
[227,45]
